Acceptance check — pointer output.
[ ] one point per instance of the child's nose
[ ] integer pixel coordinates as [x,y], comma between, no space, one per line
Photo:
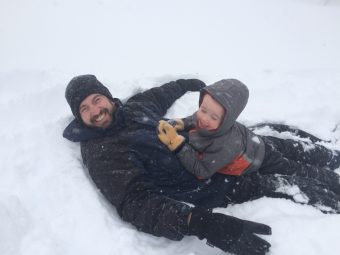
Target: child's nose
[205,119]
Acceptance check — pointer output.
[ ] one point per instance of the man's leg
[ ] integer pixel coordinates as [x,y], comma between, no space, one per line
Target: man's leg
[286,128]
[307,152]
[276,162]
[304,153]
[298,189]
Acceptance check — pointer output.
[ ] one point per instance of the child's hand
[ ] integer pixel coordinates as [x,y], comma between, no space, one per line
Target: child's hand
[178,124]
[168,135]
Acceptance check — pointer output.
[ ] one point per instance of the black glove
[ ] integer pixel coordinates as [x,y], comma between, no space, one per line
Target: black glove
[228,233]
[192,84]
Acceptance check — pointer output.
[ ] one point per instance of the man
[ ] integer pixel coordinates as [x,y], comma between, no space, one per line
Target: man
[145,181]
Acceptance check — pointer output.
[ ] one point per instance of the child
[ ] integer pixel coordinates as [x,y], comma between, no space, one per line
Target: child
[218,143]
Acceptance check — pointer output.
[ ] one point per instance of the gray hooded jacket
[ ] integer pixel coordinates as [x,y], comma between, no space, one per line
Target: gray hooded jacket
[230,149]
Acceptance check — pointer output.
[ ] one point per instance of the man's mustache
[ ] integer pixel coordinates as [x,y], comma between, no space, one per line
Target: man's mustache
[102,111]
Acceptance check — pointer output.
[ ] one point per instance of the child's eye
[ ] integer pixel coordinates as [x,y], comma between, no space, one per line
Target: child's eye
[215,117]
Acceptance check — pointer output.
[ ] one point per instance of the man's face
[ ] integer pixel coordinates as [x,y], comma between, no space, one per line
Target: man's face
[96,110]
[210,114]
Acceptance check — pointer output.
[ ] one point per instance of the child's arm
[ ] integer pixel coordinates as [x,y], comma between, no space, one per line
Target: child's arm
[206,164]
[203,167]
[189,122]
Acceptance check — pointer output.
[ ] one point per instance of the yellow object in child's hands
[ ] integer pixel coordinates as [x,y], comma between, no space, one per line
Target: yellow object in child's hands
[168,135]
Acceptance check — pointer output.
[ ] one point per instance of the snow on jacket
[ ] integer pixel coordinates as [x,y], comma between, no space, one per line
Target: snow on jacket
[230,149]
[138,174]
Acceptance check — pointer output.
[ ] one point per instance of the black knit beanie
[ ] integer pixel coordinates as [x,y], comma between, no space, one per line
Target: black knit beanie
[79,88]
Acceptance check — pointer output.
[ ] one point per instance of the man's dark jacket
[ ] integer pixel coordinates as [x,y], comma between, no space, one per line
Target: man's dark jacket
[137,173]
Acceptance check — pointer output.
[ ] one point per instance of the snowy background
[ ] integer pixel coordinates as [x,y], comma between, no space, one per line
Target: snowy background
[286,51]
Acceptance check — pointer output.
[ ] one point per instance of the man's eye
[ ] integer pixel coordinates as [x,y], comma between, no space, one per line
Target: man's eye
[97,100]
[83,110]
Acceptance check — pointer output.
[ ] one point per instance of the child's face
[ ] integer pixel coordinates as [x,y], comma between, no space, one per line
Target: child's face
[210,114]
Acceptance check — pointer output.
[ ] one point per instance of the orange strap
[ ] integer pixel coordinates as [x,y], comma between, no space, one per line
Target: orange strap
[236,167]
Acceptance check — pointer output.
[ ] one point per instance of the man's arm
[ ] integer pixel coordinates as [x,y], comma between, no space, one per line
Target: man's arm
[122,181]
[153,213]
[159,99]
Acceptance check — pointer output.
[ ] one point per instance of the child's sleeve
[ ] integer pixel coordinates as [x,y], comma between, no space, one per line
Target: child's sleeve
[189,122]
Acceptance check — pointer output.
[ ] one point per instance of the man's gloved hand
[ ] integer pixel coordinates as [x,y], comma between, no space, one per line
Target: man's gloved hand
[178,124]
[192,84]
[168,135]
[228,233]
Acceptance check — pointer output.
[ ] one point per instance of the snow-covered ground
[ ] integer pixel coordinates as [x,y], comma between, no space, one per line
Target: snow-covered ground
[286,51]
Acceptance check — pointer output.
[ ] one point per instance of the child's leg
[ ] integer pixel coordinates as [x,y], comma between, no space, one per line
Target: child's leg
[306,153]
